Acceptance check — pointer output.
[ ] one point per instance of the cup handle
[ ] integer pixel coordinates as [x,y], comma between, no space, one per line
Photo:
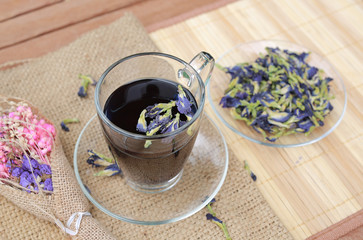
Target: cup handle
[203,63]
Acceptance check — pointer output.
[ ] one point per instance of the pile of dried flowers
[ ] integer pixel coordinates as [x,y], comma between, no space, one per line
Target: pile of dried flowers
[278,94]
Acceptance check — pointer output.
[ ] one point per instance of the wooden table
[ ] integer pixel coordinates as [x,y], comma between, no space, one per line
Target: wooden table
[310,188]
[36,27]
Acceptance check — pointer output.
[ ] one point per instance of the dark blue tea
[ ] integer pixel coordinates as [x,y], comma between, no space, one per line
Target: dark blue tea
[157,163]
[124,105]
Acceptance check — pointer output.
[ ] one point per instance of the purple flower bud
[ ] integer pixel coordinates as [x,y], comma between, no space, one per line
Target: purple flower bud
[45,169]
[35,163]
[17,172]
[31,179]
[25,163]
[48,185]
[26,166]
[24,179]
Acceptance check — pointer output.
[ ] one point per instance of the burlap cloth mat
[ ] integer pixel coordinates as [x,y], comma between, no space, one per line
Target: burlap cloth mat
[51,83]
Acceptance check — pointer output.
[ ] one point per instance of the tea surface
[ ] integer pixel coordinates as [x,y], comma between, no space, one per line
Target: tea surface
[124,105]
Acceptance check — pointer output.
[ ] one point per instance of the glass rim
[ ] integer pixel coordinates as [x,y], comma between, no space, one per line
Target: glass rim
[117,129]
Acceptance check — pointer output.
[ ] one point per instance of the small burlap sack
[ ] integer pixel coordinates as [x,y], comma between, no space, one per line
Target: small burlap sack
[65,200]
[51,83]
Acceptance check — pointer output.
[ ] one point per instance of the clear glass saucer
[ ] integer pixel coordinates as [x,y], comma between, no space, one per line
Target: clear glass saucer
[202,178]
[248,52]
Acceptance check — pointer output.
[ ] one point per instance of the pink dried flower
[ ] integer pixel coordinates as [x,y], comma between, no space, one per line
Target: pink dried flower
[22,130]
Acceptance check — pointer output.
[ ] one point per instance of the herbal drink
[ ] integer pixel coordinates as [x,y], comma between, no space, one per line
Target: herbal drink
[147,162]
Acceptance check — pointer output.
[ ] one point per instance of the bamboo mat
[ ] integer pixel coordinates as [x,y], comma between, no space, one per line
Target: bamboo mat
[310,188]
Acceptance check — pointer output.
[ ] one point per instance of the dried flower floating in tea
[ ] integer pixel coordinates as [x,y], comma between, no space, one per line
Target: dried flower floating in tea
[278,94]
[163,118]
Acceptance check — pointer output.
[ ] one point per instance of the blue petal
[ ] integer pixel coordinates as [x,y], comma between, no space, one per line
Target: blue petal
[158,123]
[156,109]
[308,108]
[257,78]
[228,102]
[114,167]
[213,218]
[297,92]
[81,92]
[279,116]
[64,127]
[172,125]
[183,104]
[141,123]
[241,95]
[300,114]
[234,71]
[253,176]
[262,122]
[305,125]
[311,72]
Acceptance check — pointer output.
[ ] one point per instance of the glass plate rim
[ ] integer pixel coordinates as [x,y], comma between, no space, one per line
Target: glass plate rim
[181,217]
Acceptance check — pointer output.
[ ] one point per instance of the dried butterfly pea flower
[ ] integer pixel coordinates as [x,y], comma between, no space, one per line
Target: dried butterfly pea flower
[183,103]
[141,123]
[278,94]
[163,118]
[66,121]
[157,109]
[99,160]
[247,167]
[86,80]
[211,216]
[109,171]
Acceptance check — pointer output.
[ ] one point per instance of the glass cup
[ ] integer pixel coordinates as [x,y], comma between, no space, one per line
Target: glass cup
[153,163]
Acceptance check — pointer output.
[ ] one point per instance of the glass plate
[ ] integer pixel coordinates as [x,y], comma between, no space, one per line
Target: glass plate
[248,52]
[203,176]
